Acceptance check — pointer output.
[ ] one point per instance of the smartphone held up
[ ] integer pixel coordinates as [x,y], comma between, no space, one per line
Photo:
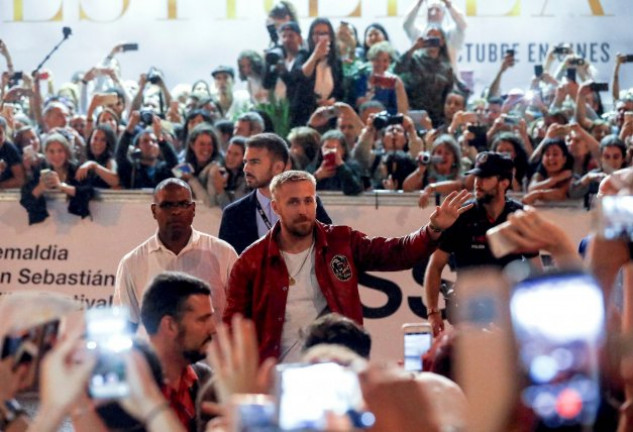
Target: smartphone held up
[109,336]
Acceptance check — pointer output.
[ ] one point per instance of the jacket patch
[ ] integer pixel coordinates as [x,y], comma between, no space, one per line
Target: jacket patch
[341,268]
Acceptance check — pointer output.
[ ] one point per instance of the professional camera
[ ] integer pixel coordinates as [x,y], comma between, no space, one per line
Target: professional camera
[425,158]
[384,119]
[153,75]
[272,57]
[147,117]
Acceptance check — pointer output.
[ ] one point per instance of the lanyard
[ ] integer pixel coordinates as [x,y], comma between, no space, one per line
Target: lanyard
[261,212]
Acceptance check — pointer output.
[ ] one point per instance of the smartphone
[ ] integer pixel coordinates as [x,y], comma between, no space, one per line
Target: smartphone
[382,81]
[600,86]
[577,61]
[615,217]
[499,244]
[307,392]
[558,347]
[252,413]
[109,335]
[329,157]
[628,58]
[510,52]
[511,120]
[571,74]
[28,346]
[130,47]
[562,49]
[538,70]
[417,339]
[418,116]
[180,169]
[431,42]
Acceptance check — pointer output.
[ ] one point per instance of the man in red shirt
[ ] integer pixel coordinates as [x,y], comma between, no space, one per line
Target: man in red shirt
[178,316]
[303,269]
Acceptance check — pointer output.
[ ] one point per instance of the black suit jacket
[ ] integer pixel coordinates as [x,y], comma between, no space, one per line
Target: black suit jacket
[239,221]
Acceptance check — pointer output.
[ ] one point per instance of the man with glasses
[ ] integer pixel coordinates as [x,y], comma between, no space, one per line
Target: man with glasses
[177,246]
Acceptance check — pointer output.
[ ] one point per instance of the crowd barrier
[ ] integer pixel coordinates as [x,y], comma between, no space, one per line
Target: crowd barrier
[79,257]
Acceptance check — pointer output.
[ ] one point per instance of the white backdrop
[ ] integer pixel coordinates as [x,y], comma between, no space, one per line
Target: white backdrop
[188,38]
[79,258]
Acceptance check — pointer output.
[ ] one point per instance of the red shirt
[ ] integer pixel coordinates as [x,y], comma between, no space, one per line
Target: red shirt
[180,400]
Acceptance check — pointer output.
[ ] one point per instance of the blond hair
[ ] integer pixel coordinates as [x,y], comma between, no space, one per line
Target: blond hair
[291,176]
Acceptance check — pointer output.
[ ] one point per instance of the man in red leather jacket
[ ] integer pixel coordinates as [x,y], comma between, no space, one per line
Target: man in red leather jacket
[302,268]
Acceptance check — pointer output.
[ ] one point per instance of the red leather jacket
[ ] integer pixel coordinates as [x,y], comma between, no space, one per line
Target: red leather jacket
[258,284]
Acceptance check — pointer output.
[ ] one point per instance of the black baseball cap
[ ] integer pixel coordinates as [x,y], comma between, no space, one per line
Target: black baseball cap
[490,164]
[223,69]
[290,25]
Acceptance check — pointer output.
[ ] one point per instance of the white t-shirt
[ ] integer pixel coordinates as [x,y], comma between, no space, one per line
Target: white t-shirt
[305,303]
[204,256]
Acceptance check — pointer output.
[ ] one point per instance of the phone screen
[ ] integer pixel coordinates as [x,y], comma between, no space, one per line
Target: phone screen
[415,346]
[109,335]
[306,392]
[559,326]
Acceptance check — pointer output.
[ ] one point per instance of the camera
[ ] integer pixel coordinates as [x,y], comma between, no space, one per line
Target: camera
[384,119]
[562,49]
[431,42]
[577,61]
[153,75]
[272,57]
[147,117]
[425,158]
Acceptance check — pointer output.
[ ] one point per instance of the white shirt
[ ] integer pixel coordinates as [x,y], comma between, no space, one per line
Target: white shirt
[305,303]
[204,256]
[264,201]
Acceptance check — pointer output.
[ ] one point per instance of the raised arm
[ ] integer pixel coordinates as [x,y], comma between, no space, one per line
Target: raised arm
[408,23]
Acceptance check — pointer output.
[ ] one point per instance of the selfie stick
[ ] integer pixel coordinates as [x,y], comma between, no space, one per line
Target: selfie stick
[67,31]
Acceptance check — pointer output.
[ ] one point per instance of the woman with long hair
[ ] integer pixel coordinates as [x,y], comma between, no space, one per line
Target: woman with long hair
[322,82]
[100,165]
[554,174]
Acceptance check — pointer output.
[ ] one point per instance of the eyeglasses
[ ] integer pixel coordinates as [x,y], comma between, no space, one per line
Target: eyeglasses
[168,205]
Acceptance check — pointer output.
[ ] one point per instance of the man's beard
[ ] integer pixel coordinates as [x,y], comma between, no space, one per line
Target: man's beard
[300,231]
[486,198]
[193,356]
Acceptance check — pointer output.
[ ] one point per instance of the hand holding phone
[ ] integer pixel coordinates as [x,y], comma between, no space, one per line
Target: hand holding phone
[559,346]
[109,336]
[417,339]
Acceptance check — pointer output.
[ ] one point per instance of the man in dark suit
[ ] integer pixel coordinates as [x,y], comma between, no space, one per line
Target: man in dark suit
[248,219]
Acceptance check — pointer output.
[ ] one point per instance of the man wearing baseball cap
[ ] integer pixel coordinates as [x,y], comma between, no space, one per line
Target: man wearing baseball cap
[466,239]
[231,103]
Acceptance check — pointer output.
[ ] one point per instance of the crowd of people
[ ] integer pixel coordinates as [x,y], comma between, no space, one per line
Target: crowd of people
[358,113]
[280,283]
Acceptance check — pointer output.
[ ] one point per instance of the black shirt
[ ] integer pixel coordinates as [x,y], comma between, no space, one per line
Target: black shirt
[467,241]
[9,153]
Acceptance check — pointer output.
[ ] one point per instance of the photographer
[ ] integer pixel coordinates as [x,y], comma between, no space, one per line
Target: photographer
[385,133]
[151,85]
[426,72]
[142,167]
